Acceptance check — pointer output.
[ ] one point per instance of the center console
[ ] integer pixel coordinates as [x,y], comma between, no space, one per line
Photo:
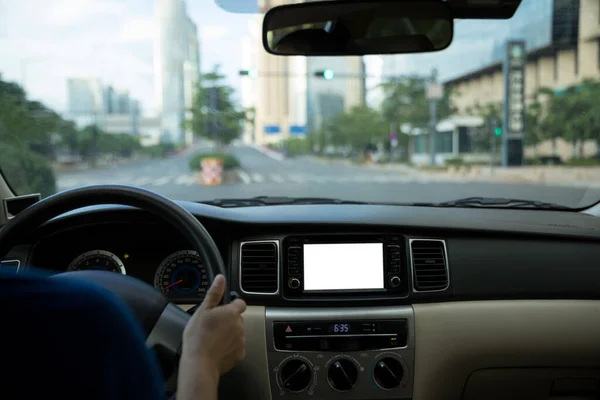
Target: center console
[341,353]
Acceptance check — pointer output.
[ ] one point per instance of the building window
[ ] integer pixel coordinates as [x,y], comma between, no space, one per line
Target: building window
[555,66]
[443,142]
[598,49]
[464,140]
[421,144]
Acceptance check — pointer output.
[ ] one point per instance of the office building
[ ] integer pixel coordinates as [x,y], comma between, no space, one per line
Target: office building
[177,67]
[85,96]
[92,103]
[290,100]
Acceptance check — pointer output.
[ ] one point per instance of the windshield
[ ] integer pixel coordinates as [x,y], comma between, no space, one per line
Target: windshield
[179,97]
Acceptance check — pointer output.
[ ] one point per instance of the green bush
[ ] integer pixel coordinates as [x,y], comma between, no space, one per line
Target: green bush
[583,162]
[26,171]
[297,147]
[229,161]
[457,162]
[158,150]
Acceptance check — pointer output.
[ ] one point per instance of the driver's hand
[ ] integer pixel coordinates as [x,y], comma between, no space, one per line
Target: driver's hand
[214,336]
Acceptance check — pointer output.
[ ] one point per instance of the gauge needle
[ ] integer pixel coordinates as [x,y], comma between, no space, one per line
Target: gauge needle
[173,284]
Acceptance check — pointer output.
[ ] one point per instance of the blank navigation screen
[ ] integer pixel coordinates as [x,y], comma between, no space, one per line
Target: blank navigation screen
[343,266]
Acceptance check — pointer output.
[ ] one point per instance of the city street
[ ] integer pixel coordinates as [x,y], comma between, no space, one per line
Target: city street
[263,174]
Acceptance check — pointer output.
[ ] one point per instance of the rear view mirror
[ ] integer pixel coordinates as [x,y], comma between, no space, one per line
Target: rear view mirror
[349,27]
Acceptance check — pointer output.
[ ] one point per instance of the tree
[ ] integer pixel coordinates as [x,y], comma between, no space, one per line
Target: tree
[573,115]
[214,114]
[357,128]
[405,102]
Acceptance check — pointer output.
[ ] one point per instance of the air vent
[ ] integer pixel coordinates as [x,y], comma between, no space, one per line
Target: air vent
[259,267]
[430,266]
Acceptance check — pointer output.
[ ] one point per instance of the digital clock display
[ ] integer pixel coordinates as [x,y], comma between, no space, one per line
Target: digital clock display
[340,328]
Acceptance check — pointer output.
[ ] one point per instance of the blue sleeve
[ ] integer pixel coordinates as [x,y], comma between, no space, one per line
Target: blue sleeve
[68,339]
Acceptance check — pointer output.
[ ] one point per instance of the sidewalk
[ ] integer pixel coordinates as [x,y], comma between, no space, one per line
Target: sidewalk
[541,175]
[544,175]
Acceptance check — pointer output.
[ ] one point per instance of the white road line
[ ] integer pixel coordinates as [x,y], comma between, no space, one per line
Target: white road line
[297,178]
[144,180]
[319,179]
[245,177]
[186,180]
[258,178]
[161,181]
[381,179]
[277,178]
[67,183]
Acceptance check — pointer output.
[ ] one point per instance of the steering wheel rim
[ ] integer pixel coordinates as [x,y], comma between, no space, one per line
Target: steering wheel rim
[162,321]
[165,209]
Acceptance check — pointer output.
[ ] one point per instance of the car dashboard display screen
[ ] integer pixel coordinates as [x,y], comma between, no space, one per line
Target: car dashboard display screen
[343,266]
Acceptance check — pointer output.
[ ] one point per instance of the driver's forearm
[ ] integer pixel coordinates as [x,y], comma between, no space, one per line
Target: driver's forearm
[197,381]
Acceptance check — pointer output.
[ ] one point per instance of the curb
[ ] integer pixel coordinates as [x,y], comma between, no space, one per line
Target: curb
[268,152]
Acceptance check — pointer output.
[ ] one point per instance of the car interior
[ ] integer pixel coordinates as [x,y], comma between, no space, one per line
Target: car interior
[345,301]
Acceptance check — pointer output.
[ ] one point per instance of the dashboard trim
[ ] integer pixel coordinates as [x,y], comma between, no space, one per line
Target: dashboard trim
[276,242]
[8,261]
[412,266]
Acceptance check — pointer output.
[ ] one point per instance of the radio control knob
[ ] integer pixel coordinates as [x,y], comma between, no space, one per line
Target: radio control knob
[342,375]
[295,375]
[294,283]
[395,281]
[388,373]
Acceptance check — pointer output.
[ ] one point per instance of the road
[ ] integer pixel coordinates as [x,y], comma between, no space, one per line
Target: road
[306,177]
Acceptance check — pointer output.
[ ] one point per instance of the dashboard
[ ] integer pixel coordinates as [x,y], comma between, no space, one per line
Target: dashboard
[145,251]
[371,302]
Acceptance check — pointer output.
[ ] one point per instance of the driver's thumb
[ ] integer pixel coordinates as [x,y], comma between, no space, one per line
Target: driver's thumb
[214,293]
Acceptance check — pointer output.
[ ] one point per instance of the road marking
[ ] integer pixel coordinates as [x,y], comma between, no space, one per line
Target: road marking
[258,178]
[67,183]
[161,181]
[277,178]
[381,179]
[186,180]
[245,177]
[142,181]
[297,178]
[319,179]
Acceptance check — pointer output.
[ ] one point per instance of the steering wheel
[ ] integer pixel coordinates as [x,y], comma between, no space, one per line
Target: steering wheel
[162,321]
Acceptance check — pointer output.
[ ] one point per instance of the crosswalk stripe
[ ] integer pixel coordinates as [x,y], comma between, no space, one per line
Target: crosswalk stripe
[245,177]
[277,178]
[142,181]
[161,181]
[297,178]
[258,178]
[186,180]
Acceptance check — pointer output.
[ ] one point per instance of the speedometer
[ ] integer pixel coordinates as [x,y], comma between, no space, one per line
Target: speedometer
[97,260]
[182,275]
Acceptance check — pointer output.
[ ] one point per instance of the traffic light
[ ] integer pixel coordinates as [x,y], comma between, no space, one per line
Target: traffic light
[327,74]
[252,73]
[498,131]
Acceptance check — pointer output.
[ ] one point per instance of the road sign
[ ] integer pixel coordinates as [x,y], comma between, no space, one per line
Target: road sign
[272,129]
[297,130]
[514,103]
[435,91]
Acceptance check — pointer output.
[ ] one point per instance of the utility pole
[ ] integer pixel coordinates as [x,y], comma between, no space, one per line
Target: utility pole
[493,123]
[213,105]
[434,94]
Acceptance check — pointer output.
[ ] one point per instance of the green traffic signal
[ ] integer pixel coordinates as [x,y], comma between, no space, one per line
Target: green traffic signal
[327,74]
[498,131]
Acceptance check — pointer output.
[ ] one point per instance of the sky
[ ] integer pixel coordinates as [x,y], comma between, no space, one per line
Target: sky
[43,42]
